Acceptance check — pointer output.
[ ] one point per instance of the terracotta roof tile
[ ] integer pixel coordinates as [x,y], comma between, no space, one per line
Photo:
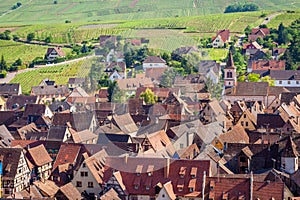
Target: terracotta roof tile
[39,155]
[154,59]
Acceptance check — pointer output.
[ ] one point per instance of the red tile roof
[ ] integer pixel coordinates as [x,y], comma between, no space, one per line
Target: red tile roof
[268,65]
[224,34]
[161,174]
[236,188]
[68,153]
[154,59]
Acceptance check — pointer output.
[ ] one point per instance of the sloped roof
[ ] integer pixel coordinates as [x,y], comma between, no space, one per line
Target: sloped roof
[50,90]
[96,163]
[79,120]
[76,80]
[19,101]
[5,137]
[155,73]
[10,159]
[9,88]
[250,89]
[48,187]
[160,174]
[70,191]
[230,62]
[224,35]
[111,194]
[34,109]
[56,133]
[125,123]
[39,155]
[269,65]
[154,59]
[68,153]
[235,188]
[58,50]
[106,138]
[134,83]
[82,136]
[270,121]
[265,31]
[236,135]
[290,149]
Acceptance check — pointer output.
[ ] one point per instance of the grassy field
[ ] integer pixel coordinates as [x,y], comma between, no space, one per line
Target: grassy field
[45,11]
[13,50]
[60,74]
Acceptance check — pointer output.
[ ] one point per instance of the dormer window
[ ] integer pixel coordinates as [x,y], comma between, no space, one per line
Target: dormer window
[191,189]
[182,171]
[212,185]
[147,188]
[193,172]
[136,187]
[139,170]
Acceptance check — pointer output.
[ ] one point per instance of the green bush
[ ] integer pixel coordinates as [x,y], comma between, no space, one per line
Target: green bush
[3,74]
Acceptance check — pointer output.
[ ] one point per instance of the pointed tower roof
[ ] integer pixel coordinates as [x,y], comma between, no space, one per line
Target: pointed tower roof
[290,149]
[230,63]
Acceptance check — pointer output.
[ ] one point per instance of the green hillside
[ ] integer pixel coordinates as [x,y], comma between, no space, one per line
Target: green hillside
[45,11]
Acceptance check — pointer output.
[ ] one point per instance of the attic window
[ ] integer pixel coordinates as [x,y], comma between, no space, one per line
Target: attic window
[182,172]
[192,185]
[212,185]
[193,172]
[139,170]
[224,196]
[150,170]
[136,187]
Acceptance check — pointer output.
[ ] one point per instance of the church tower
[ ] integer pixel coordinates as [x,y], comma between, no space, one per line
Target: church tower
[229,73]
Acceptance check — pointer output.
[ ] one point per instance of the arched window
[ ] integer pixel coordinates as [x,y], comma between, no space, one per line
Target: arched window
[229,74]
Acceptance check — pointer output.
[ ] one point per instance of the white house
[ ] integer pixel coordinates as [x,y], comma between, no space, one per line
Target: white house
[154,62]
[289,157]
[222,37]
[88,177]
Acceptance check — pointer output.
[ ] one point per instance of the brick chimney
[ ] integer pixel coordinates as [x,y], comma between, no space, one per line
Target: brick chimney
[167,168]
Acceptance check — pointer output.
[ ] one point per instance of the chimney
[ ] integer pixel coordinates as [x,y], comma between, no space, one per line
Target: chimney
[167,168]
[126,158]
[203,184]
[251,185]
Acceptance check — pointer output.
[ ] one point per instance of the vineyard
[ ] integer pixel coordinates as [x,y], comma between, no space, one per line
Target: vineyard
[78,32]
[286,19]
[13,50]
[60,74]
[46,12]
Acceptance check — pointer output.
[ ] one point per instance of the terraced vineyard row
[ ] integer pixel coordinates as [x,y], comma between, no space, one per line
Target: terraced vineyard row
[60,74]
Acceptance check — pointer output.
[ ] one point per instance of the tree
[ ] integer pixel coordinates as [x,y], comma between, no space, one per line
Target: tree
[148,96]
[18,62]
[283,35]
[30,37]
[3,65]
[248,30]
[142,54]
[48,39]
[166,56]
[167,78]
[214,89]
[253,77]
[115,94]
[269,80]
